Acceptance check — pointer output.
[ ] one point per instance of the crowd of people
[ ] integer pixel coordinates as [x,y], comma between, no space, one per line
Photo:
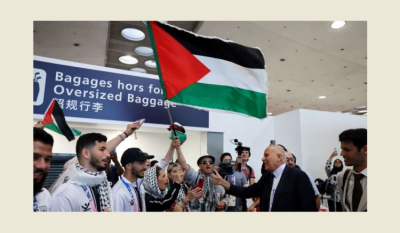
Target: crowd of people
[90,183]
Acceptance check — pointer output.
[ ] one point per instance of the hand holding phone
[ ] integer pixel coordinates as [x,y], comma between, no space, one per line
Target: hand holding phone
[141,121]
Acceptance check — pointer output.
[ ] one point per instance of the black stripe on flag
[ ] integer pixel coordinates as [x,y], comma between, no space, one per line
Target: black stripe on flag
[61,123]
[216,48]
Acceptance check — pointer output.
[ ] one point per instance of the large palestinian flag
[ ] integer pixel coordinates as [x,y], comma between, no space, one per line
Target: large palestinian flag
[209,73]
[54,120]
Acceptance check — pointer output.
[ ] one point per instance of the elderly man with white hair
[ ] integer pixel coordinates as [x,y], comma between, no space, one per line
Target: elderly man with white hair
[281,188]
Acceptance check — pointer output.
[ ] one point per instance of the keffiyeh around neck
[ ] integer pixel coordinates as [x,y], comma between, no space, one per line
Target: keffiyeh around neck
[209,190]
[150,183]
[78,175]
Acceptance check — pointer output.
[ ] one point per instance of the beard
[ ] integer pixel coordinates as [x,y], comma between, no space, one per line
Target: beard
[37,186]
[137,174]
[96,164]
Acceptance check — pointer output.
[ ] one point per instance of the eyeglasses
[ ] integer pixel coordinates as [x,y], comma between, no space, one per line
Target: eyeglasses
[208,162]
[289,159]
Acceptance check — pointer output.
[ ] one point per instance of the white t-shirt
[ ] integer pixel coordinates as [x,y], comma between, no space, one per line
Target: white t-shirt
[72,198]
[122,197]
[43,200]
[163,164]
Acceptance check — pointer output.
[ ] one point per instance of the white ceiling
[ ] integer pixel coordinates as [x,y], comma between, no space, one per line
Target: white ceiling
[318,60]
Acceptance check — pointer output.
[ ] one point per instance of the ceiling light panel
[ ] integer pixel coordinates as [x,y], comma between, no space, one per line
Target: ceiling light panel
[129,60]
[132,34]
[144,51]
[338,24]
[139,70]
[151,64]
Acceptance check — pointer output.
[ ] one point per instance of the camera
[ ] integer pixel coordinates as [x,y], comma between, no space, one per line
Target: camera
[239,147]
[225,167]
[324,186]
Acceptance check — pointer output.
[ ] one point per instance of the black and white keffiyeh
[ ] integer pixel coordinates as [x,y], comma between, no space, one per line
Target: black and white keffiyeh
[209,192]
[78,175]
[150,183]
[182,193]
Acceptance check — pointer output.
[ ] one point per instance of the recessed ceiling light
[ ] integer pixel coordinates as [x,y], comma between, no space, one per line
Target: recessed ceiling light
[270,113]
[139,70]
[144,51]
[322,97]
[338,24]
[128,60]
[151,64]
[363,111]
[132,34]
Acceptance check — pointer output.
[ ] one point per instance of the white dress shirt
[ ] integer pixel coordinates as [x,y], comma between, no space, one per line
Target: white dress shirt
[350,186]
[277,173]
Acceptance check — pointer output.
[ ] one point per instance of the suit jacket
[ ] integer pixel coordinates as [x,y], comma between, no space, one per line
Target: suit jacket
[294,192]
[343,197]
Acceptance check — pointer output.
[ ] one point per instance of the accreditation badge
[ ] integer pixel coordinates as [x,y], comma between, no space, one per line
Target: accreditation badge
[231,200]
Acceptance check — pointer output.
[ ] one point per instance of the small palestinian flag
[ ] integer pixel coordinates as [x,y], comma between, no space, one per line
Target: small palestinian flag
[179,130]
[54,120]
[209,73]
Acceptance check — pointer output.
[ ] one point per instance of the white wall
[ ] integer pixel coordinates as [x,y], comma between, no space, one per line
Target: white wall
[288,132]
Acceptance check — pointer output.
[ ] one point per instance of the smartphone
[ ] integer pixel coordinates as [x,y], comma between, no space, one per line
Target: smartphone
[201,183]
[114,151]
[335,149]
[141,121]
[272,142]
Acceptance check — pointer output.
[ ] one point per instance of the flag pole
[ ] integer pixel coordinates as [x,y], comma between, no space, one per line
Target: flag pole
[170,119]
[172,125]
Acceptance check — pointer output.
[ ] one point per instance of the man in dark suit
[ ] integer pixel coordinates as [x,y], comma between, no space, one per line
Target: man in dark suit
[281,188]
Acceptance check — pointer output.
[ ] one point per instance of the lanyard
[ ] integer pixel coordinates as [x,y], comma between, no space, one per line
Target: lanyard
[86,190]
[35,205]
[233,178]
[135,207]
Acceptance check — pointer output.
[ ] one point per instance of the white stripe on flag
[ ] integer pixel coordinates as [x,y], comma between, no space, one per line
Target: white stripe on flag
[54,120]
[226,73]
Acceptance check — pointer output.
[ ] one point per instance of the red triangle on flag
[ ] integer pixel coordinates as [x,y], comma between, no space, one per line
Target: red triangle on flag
[47,116]
[179,68]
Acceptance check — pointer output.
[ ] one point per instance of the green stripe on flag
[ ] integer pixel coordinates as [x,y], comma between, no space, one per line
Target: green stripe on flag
[53,127]
[225,98]
[76,132]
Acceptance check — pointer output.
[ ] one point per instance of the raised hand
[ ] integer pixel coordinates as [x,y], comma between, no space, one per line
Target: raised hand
[39,125]
[217,179]
[132,127]
[333,155]
[176,143]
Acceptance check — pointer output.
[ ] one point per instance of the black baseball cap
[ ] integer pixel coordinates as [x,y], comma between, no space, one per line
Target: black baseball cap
[134,154]
[205,156]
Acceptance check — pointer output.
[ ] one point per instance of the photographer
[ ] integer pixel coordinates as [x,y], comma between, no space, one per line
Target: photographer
[331,173]
[247,171]
[236,178]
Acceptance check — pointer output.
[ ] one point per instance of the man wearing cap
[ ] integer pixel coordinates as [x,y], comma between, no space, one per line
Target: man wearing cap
[128,192]
[213,199]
